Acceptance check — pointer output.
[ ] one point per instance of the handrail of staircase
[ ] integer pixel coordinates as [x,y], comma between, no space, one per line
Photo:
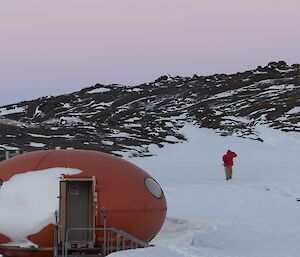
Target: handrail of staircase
[118,232]
[130,237]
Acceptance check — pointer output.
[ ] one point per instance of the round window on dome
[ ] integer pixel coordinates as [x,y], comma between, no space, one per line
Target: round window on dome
[153,187]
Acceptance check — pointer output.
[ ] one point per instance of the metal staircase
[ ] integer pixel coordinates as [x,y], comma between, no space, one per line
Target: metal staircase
[111,240]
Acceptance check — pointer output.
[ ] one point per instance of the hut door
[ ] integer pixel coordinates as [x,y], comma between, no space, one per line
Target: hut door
[77,210]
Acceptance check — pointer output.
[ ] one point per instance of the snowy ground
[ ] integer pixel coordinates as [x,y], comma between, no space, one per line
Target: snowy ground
[255,214]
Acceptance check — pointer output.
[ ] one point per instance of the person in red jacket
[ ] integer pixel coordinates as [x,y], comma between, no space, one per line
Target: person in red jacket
[228,163]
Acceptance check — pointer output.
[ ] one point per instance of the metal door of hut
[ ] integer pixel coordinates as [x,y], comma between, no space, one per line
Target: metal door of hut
[77,210]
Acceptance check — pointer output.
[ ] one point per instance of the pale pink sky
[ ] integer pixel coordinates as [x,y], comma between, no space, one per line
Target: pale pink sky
[53,47]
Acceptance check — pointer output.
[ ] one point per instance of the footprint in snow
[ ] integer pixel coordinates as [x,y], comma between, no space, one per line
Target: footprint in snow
[286,194]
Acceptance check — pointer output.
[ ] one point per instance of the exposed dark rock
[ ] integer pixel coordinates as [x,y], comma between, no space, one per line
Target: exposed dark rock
[119,119]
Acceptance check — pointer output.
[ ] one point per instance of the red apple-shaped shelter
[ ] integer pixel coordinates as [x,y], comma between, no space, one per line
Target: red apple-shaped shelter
[107,204]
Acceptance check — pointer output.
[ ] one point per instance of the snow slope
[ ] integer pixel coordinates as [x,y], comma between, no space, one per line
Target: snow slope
[255,214]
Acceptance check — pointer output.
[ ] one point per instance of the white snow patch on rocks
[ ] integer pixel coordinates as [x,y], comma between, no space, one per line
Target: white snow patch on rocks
[99,90]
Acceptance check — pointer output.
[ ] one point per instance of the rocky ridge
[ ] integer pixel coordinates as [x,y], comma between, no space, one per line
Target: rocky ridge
[126,120]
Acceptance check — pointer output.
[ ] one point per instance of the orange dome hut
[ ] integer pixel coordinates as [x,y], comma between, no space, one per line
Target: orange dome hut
[76,200]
